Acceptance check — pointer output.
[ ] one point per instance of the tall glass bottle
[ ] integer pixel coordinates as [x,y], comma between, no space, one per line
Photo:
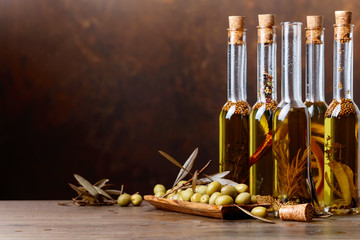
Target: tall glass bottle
[291,124]
[234,116]
[342,126]
[261,165]
[315,101]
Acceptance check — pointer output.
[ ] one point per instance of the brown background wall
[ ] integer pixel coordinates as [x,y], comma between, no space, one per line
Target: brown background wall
[97,87]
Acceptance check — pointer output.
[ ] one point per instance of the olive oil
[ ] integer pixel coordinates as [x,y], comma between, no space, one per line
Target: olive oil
[342,157]
[234,141]
[291,153]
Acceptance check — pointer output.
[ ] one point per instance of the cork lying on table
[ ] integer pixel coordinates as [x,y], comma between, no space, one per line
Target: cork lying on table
[299,212]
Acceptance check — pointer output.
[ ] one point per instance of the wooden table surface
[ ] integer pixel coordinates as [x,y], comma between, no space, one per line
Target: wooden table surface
[48,220]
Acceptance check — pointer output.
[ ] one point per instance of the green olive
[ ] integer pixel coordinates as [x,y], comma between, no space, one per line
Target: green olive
[253,199]
[170,196]
[186,195]
[169,190]
[213,187]
[124,200]
[205,198]
[201,189]
[243,198]
[259,211]
[181,183]
[242,188]
[229,190]
[180,198]
[159,188]
[159,194]
[196,197]
[189,190]
[176,196]
[213,197]
[136,199]
[224,200]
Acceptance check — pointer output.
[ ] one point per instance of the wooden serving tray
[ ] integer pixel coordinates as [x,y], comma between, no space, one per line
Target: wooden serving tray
[201,209]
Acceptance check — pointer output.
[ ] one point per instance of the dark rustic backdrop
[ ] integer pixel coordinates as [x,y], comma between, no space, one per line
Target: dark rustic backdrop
[97,87]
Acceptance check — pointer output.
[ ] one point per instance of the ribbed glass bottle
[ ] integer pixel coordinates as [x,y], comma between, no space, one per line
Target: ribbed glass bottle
[315,102]
[291,124]
[342,126]
[261,116]
[234,116]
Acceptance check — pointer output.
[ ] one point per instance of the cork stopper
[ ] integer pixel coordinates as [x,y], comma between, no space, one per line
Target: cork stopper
[266,20]
[236,30]
[236,22]
[314,29]
[265,28]
[342,27]
[315,21]
[342,17]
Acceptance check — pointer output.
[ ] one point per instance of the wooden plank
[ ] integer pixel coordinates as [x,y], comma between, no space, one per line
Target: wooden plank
[46,220]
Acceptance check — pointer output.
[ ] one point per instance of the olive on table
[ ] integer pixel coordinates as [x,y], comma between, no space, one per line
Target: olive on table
[136,199]
[159,188]
[205,198]
[124,199]
[229,190]
[243,198]
[213,197]
[213,187]
[259,211]
[224,200]
[242,188]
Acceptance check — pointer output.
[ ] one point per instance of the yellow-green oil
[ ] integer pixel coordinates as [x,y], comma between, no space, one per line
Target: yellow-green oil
[234,141]
[317,113]
[291,133]
[341,157]
[261,173]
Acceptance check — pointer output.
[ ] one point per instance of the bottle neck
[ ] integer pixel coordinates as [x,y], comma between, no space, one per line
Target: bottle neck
[236,65]
[291,62]
[343,62]
[314,71]
[266,64]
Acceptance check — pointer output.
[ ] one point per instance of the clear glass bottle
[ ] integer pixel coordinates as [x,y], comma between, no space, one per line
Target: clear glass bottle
[291,124]
[342,126]
[315,101]
[234,116]
[261,165]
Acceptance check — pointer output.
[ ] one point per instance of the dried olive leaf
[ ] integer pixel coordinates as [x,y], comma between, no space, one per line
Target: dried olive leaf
[186,168]
[224,181]
[79,191]
[214,177]
[113,192]
[101,183]
[252,215]
[171,159]
[194,180]
[86,184]
[102,192]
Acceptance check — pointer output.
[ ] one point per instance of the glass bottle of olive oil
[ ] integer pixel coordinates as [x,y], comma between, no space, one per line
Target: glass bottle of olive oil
[261,174]
[342,126]
[234,116]
[291,124]
[315,101]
